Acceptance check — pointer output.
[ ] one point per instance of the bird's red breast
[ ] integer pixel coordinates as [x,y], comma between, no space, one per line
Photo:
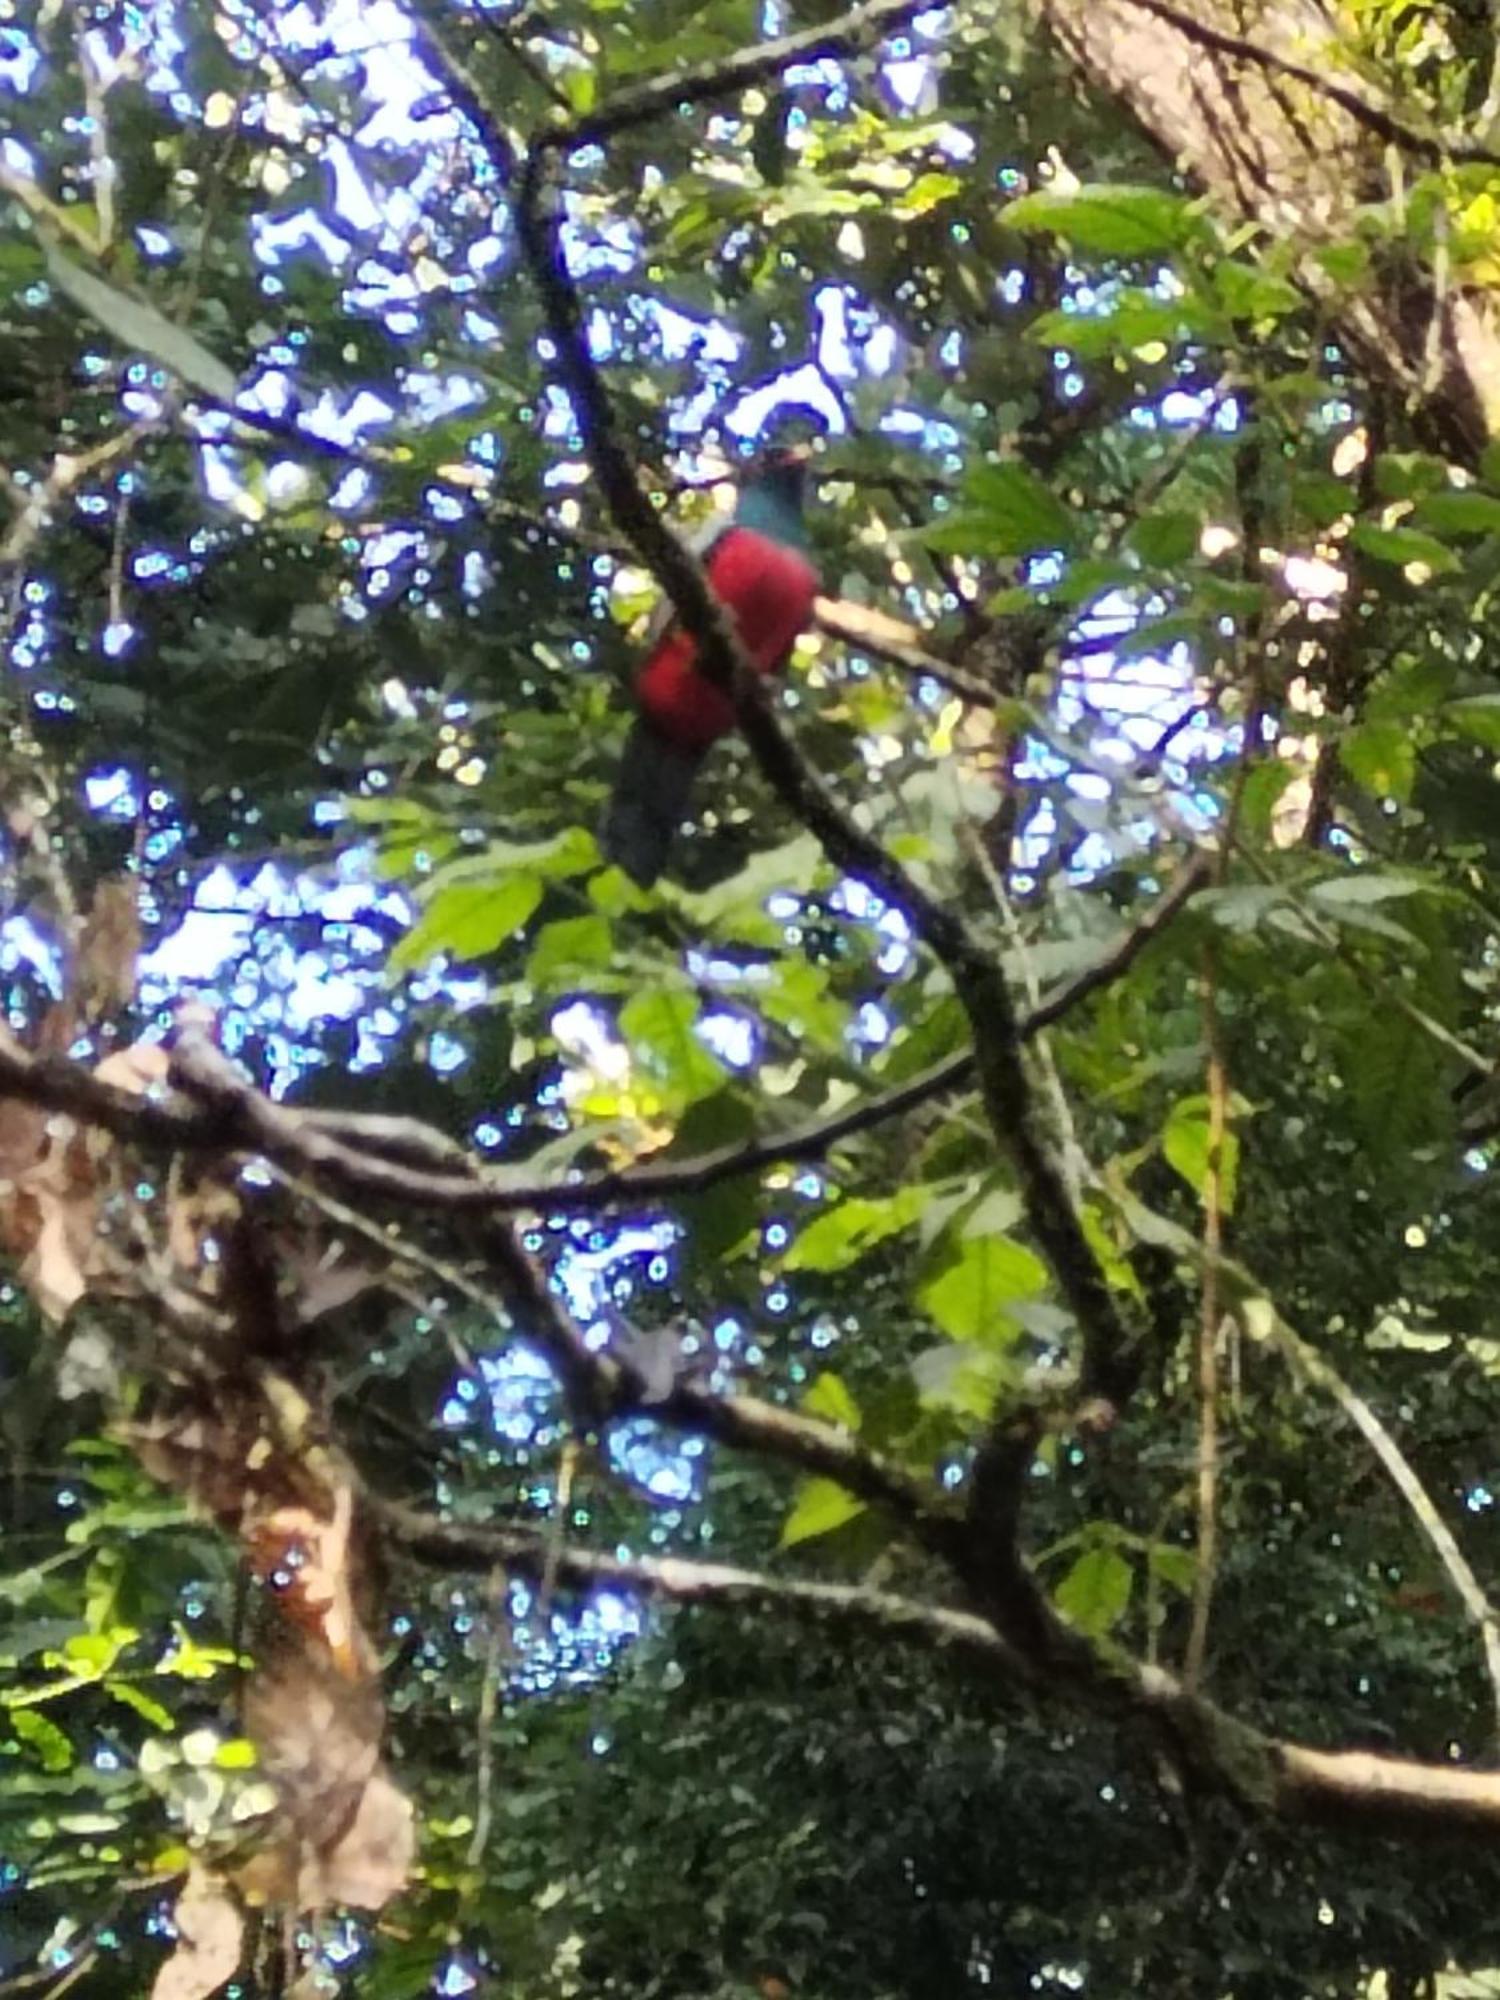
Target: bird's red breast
[770,589]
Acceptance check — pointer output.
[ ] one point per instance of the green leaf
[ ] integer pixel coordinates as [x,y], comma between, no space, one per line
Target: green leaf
[1185,1142]
[567,949]
[821,1506]
[1168,536]
[1404,475]
[145,1705]
[1345,263]
[1402,546]
[1119,220]
[829,1398]
[1476,716]
[42,1736]
[133,323]
[1009,512]
[841,1236]
[1177,1567]
[1459,512]
[1361,886]
[1248,292]
[1095,1593]
[1320,498]
[466,920]
[969,1298]
[662,1030]
[1132,321]
[1261,793]
[966,1380]
[1382,758]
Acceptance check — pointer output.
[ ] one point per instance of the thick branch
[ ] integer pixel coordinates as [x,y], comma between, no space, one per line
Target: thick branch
[1353,1790]
[607,1386]
[421,1167]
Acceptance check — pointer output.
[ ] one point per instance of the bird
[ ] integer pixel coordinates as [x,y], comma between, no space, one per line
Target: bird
[758,567]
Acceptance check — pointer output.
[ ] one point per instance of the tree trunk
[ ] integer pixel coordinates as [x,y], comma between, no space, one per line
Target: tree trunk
[1215,86]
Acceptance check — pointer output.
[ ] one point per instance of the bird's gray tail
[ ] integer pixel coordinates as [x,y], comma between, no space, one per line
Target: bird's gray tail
[649,802]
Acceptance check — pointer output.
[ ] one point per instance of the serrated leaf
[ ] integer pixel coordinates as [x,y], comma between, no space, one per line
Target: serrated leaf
[1008,511]
[1121,221]
[1095,1593]
[969,1298]
[821,1506]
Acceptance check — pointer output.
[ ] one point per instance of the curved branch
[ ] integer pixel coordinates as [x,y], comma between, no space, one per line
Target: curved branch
[1352,1790]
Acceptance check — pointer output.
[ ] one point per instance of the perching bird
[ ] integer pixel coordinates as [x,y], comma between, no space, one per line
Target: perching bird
[758,568]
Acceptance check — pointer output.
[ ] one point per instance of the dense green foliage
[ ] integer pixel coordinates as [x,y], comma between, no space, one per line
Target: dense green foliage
[337,679]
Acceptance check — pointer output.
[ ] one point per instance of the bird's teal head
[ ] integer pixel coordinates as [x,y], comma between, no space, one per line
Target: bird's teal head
[771,496]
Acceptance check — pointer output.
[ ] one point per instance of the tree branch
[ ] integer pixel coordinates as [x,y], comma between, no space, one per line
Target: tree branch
[1354,1790]
[700,83]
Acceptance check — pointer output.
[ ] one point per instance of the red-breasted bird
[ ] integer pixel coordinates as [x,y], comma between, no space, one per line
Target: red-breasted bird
[757,567]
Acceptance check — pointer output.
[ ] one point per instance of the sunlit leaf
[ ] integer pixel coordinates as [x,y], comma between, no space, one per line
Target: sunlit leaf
[467,920]
[821,1506]
[968,1299]
[829,1397]
[1186,1141]
[1095,1593]
[1114,218]
[842,1235]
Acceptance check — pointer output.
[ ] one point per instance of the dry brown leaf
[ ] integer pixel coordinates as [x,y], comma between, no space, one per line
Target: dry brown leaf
[135,1069]
[104,972]
[59,1028]
[210,1934]
[53,1268]
[48,1218]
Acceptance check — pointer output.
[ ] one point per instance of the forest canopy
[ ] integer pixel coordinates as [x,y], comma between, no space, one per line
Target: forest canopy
[901,1401]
